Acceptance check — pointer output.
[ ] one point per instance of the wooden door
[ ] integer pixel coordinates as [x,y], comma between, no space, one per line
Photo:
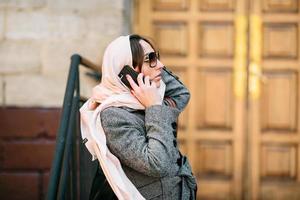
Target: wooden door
[240,60]
[197,42]
[274,135]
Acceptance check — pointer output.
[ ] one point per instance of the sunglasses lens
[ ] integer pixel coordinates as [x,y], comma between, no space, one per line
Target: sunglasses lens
[152,59]
[152,56]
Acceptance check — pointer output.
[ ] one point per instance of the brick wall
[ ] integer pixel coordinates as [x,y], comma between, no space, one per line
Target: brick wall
[27,143]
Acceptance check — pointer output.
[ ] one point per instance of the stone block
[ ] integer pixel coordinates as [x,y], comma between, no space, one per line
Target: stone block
[3,4]
[35,90]
[56,54]
[26,25]
[43,25]
[106,25]
[19,56]
[56,58]
[85,6]
[66,26]
[2,24]
[86,84]
[26,4]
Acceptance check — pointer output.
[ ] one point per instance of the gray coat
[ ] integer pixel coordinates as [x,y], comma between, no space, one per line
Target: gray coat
[145,143]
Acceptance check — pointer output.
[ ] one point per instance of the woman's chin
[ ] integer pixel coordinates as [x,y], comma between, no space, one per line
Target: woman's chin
[157,81]
[157,84]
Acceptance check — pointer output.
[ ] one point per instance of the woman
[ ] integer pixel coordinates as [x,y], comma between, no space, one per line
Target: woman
[132,132]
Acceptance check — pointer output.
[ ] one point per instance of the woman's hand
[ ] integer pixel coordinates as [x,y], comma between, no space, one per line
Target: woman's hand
[93,105]
[147,93]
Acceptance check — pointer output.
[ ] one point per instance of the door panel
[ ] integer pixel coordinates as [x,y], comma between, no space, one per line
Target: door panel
[274,109]
[214,110]
[215,39]
[279,102]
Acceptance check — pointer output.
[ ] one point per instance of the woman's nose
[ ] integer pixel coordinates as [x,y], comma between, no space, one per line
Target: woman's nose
[159,64]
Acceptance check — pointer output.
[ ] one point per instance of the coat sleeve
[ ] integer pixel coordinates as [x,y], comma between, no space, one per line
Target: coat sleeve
[175,90]
[148,148]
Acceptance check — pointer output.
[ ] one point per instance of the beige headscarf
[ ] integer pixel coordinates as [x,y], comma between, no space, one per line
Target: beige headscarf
[110,92]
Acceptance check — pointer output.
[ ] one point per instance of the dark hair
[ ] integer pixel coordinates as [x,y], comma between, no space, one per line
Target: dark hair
[137,50]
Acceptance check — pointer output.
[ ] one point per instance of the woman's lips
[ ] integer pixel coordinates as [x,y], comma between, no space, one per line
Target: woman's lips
[156,78]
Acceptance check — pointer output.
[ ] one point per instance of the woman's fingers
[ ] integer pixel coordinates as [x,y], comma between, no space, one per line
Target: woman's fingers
[92,105]
[153,84]
[140,79]
[133,85]
[147,81]
[146,92]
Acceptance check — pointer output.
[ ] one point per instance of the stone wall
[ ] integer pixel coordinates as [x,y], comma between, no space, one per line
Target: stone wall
[37,38]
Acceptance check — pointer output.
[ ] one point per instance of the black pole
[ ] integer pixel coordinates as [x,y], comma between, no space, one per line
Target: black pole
[64,192]
[75,153]
[60,145]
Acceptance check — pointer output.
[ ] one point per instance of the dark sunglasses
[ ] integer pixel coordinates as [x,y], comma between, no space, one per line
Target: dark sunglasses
[152,58]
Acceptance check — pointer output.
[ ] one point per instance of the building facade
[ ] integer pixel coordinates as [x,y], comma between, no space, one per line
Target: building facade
[239,59]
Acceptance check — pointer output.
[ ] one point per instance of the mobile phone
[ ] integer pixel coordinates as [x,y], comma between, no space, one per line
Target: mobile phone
[130,71]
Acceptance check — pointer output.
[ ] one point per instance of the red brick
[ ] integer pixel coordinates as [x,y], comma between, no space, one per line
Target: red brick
[19,186]
[29,122]
[27,155]
[45,181]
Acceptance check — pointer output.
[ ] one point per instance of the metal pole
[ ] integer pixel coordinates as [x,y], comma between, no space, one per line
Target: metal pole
[60,145]
[66,176]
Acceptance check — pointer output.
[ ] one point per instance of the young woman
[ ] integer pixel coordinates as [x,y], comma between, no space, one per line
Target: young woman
[132,131]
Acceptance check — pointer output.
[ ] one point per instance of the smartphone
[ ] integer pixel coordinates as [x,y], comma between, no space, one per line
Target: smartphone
[130,71]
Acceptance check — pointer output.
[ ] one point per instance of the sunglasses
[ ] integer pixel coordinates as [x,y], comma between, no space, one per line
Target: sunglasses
[151,58]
